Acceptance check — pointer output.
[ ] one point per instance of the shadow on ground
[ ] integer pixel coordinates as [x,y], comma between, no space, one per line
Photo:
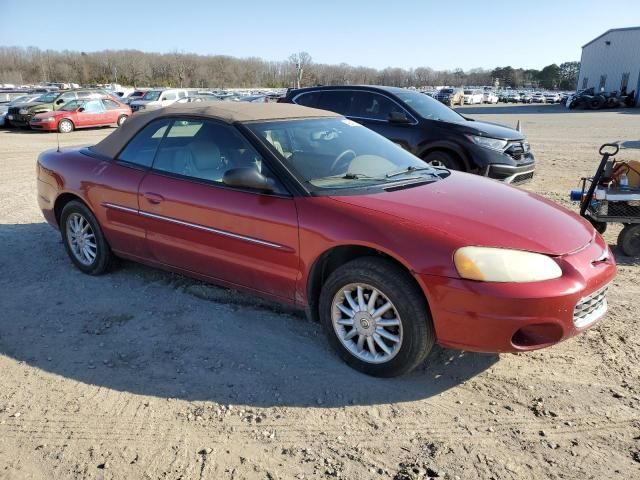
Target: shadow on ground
[145,331]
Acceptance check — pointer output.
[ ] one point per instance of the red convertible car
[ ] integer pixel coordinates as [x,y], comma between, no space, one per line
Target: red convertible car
[306,207]
[97,112]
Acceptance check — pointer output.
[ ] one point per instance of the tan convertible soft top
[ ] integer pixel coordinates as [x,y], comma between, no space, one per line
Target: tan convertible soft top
[229,112]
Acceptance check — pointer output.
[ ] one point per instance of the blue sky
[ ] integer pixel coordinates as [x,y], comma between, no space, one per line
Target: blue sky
[374,33]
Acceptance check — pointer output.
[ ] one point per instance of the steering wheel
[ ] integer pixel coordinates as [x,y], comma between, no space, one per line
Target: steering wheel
[341,157]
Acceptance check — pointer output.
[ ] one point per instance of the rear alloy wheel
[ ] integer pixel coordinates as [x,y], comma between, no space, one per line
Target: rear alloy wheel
[121,120]
[443,159]
[376,318]
[83,239]
[629,240]
[65,126]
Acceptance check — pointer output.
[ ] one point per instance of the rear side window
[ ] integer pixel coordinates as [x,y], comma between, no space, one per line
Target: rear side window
[308,99]
[110,104]
[142,148]
[336,101]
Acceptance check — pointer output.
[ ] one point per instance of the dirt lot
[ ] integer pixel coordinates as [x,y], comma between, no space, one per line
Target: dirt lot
[145,374]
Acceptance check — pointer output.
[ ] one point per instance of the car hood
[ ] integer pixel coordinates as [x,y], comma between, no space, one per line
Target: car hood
[473,210]
[39,107]
[492,130]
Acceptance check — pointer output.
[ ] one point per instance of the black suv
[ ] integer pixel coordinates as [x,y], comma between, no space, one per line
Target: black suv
[427,129]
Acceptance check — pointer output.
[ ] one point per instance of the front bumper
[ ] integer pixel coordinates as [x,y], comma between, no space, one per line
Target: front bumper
[19,119]
[513,174]
[515,317]
[38,125]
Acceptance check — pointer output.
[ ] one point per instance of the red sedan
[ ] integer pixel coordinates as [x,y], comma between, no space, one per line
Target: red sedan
[309,208]
[96,112]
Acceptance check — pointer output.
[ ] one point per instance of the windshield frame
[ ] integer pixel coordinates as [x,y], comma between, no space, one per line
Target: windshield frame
[304,186]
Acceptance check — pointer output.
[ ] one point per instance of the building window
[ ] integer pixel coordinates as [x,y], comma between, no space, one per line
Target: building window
[585,82]
[603,82]
[624,83]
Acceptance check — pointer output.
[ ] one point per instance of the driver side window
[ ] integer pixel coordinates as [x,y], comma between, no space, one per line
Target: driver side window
[205,150]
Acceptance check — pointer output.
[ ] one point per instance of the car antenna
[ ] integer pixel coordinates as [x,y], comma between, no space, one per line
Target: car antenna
[518,127]
[58,140]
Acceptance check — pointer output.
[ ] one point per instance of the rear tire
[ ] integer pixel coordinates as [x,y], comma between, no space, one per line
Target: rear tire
[83,239]
[65,126]
[445,159]
[401,337]
[629,240]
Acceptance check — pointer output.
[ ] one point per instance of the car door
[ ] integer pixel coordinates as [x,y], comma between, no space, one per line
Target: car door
[111,111]
[167,98]
[376,112]
[196,223]
[114,192]
[91,114]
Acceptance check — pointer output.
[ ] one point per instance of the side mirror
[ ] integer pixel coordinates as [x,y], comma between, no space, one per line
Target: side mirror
[398,118]
[81,109]
[247,177]
[60,101]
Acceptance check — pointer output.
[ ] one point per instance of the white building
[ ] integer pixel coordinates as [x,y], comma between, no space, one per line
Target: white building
[612,61]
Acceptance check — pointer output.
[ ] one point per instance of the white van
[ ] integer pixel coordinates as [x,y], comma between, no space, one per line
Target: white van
[158,98]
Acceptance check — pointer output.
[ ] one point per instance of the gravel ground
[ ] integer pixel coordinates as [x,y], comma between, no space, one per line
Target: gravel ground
[146,374]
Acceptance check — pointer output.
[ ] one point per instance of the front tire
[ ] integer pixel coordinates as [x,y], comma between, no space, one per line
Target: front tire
[65,126]
[376,318]
[445,159]
[121,120]
[83,239]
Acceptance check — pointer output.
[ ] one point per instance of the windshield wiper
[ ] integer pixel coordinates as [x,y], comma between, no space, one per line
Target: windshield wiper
[348,176]
[409,169]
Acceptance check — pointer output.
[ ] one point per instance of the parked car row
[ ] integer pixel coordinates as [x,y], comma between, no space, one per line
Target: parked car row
[511,96]
[65,110]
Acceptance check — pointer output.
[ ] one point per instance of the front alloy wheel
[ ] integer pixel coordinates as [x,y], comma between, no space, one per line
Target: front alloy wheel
[367,323]
[376,317]
[65,126]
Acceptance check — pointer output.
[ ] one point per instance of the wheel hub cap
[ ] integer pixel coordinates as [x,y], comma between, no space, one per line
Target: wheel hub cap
[367,323]
[81,239]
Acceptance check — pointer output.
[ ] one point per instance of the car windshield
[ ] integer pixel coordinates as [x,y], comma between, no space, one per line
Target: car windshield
[446,90]
[48,97]
[72,105]
[18,100]
[338,153]
[428,108]
[152,95]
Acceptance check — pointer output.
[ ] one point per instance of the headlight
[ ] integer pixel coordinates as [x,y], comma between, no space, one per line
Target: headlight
[492,143]
[48,119]
[502,265]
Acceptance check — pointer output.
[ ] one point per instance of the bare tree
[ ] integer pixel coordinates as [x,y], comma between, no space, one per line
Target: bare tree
[300,61]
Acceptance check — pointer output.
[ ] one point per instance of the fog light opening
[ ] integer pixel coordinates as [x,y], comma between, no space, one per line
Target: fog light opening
[537,336]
